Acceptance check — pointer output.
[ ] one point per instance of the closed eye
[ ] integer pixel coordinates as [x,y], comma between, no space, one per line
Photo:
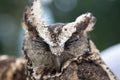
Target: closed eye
[71,41]
[39,43]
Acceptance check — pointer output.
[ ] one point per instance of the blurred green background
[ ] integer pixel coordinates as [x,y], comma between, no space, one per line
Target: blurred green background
[106,31]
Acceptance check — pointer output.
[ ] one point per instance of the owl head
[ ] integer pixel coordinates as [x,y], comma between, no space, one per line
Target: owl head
[59,36]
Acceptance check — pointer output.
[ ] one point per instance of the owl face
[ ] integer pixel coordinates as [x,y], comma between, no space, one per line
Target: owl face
[58,35]
[49,47]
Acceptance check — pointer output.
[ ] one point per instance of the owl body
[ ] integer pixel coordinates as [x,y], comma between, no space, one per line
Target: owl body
[61,51]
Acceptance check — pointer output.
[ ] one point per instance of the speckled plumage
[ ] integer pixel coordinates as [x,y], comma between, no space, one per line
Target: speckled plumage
[12,68]
[61,51]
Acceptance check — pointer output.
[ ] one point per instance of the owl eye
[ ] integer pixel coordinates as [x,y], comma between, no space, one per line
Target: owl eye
[71,41]
[38,42]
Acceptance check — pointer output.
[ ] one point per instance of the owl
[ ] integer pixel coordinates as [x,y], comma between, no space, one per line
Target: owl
[61,51]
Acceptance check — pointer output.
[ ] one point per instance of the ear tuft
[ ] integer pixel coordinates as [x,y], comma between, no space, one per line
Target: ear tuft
[91,24]
[85,22]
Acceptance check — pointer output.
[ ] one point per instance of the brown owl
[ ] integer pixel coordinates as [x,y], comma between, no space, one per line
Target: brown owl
[61,51]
